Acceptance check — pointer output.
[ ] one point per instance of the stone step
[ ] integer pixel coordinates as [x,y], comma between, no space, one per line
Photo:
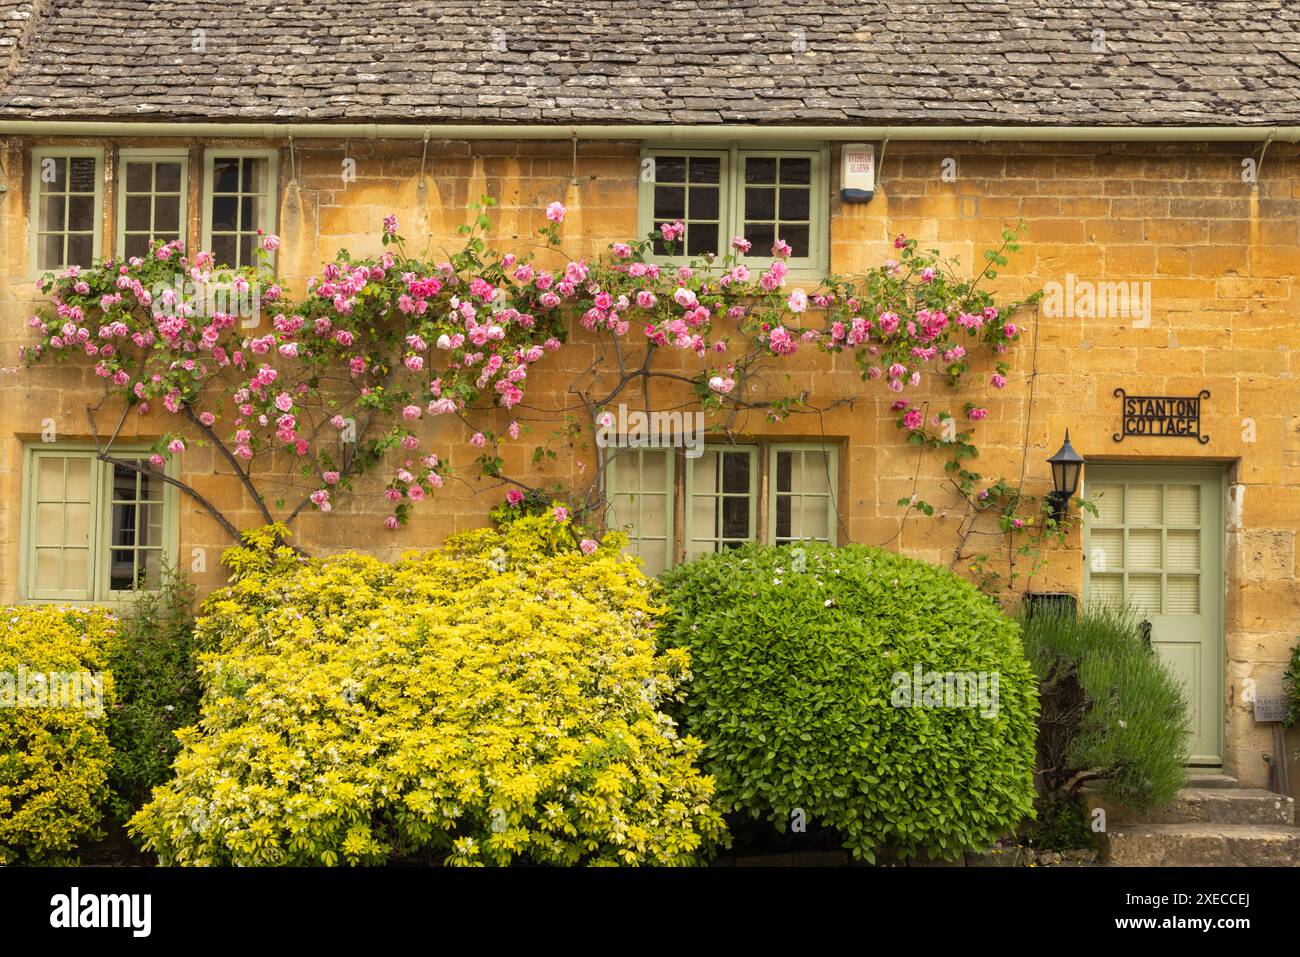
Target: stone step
[1200,778]
[1213,805]
[1201,845]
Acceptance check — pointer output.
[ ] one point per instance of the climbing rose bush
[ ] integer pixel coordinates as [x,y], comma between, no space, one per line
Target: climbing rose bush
[355,376]
[496,701]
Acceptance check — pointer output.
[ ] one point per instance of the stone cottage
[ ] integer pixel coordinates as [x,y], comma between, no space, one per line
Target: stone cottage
[1149,149]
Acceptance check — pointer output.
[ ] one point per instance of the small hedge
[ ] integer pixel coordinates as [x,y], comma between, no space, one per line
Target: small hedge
[54,761]
[795,655]
[488,703]
[1112,713]
[157,693]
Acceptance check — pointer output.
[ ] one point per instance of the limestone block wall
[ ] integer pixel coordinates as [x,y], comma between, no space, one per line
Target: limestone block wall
[1220,256]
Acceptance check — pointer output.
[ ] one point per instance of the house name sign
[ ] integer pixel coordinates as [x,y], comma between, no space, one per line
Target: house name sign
[1169,416]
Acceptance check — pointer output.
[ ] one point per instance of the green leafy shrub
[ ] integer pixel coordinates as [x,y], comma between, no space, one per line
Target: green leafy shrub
[488,703]
[157,692]
[54,760]
[1112,713]
[796,658]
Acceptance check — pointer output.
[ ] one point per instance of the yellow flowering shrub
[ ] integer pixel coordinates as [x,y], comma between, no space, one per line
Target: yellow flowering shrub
[54,751]
[495,701]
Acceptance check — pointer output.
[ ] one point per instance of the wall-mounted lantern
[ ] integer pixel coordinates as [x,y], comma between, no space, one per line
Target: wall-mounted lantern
[1067,465]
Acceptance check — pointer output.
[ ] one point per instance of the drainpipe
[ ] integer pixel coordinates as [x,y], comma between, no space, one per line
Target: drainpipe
[674,134]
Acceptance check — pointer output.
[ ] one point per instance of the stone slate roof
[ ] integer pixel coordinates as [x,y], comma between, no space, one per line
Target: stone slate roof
[784,62]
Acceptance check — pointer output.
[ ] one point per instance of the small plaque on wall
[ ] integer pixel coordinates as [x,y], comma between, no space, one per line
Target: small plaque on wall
[1161,416]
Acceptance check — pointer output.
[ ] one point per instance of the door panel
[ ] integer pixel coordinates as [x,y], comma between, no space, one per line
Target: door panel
[1157,546]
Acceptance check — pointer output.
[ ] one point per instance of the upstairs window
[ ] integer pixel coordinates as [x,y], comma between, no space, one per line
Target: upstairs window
[67,208]
[239,198]
[151,199]
[760,195]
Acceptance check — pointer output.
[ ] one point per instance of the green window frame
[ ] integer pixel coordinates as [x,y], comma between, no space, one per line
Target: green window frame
[72,503]
[628,492]
[811,493]
[236,203]
[147,199]
[674,179]
[58,204]
[708,502]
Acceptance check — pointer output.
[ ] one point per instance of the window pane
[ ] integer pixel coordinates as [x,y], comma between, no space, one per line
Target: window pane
[783,469]
[76,524]
[762,236]
[783,532]
[706,169]
[796,170]
[797,237]
[81,213]
[735,517]
[760,169]
[670,169]
[814,520]
[704,202]
[54,174]
[224,249]
[49,569]
[704,517]
[81,249]
[167,215]
[225,211]
[78,489]
[53,216]
[705,480]
[121,569]
[51,251]
[167,177]
[138,213]
[654,516]
[149,569]
[49,479]
[123,483]
[123,526]
[76,568]
[246,244]
[49,524]
[670,204]
[794,204]
[816,472]
[225,176]
[701,238]
[137,244]
[151,524]
[139,177]
[735,472]
[760,203]
[82,176]
[254,179]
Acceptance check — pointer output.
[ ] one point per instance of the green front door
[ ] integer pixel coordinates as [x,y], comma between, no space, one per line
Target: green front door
[1157,546]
